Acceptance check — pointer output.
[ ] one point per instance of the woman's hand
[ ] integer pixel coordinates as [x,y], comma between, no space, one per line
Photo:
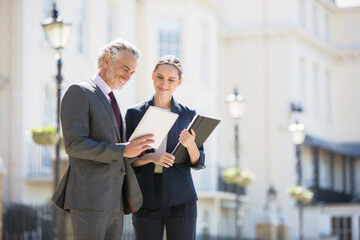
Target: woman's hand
[187,139]
[164,159]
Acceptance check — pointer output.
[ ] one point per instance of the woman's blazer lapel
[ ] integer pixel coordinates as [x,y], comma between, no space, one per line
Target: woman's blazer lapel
[173,134]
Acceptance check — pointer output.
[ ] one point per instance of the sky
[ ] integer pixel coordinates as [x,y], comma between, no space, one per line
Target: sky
[348,3]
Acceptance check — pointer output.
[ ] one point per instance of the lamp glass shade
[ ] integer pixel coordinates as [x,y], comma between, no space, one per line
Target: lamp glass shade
[297,131]
[236,105]
[57,32]
[271,194]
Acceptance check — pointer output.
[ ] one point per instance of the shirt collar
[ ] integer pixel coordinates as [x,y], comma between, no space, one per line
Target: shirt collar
[102,85]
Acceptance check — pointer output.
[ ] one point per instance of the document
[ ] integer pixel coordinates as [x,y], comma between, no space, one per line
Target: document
[156,121]
[203,127]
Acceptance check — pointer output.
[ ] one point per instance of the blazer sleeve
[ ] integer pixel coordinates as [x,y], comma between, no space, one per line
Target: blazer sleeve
[201,163]
[75,110]
[129,124]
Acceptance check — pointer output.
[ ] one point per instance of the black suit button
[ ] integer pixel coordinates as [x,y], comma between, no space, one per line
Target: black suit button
[114,161]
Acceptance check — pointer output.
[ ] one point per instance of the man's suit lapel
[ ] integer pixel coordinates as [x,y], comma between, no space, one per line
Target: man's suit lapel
[108,109]
[123,138]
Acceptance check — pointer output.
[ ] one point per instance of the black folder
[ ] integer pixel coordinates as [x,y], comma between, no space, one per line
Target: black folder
[203,127]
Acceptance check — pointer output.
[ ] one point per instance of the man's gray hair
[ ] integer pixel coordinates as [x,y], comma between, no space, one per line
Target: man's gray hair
[114,49]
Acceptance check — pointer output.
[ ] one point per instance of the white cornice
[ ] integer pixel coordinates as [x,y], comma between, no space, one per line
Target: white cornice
[213,5]
[221,195]
[347,10]
[297,32]
[328,4]
[333,7]
[349,55]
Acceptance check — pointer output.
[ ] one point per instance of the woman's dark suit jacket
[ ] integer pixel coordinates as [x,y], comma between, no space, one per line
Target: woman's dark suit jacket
[177,183]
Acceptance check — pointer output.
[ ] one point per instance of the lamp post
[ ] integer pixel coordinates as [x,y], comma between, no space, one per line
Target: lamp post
[297,131]
[270,204]
[236,105]
[271,195]
[57,32]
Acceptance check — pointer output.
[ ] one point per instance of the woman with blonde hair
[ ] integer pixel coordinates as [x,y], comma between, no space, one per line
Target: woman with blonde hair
[169,196]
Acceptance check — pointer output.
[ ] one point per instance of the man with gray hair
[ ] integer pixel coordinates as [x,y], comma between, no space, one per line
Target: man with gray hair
[99,185]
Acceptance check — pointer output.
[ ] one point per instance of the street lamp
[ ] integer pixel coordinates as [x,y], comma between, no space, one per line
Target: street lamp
[236,106]
[57,32]
[269,205]
[297,131]
[271,194]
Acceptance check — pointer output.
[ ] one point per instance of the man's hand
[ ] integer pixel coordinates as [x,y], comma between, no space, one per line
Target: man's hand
[137,146]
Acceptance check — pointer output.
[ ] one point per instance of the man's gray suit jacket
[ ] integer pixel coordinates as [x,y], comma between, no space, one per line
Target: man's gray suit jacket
[98,176]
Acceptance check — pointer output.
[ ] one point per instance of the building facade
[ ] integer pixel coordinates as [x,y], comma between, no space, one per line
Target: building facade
[274,52]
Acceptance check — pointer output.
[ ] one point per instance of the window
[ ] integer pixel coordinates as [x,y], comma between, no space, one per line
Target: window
[169,37]
[315,21]
[38,157]
[204,56]
[49,105]
[111,22]
[47,8]
[302,84]
[39,163]
[46,13]
[328,97]
[327,27]
[302,12]
[316,92]
[341,227]
[80,27]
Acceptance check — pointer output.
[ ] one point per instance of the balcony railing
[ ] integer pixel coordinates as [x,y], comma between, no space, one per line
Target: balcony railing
[329,196]
[232,188]
[38,161]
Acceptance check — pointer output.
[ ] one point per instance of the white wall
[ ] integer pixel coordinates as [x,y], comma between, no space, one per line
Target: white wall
[4,85]
[252,45]
[193,16]
[265,66]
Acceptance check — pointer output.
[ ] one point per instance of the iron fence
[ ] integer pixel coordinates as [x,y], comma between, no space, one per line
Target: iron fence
[34,222]
[26,222]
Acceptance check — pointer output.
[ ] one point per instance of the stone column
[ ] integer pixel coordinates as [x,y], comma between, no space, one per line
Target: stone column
[2,172]
[1,205]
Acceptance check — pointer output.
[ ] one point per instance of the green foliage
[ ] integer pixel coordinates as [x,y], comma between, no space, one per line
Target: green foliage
[301,193]
[45,135]
[241,177]
[46,129]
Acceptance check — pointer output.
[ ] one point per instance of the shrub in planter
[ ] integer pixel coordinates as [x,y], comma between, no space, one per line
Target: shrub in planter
[301,194]
[241,177]
[45,135]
